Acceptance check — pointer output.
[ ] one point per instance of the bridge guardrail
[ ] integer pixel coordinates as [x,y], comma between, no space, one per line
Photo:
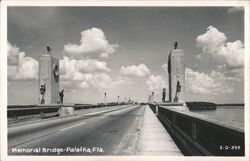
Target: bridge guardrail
[198,136]
[15,111]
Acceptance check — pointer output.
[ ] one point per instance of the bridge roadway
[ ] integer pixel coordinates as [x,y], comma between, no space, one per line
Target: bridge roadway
[125,131]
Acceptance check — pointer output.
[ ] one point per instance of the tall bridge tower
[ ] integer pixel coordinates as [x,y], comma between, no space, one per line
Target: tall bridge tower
[176,75]
[48,79]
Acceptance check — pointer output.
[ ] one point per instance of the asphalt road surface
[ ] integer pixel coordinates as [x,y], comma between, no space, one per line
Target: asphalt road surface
[111,133]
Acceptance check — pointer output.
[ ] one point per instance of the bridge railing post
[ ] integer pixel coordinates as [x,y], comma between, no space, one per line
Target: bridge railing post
[156,110]
[194,129]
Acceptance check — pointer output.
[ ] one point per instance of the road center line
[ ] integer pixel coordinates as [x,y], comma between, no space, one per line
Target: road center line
[72,126]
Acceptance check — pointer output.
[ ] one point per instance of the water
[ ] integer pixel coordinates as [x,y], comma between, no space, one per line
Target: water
[233,115]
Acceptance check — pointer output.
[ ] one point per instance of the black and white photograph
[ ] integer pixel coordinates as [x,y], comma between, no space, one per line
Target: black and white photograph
[126,80]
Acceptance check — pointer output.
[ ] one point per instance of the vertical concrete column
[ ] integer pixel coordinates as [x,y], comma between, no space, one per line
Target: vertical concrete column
[176,73]
[48,79]
[156,110]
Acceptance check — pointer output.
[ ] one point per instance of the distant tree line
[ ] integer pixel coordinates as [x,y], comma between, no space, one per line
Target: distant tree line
[231,104]
[201,105]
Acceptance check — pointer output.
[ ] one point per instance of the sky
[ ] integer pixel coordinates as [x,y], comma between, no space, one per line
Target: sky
[123,51]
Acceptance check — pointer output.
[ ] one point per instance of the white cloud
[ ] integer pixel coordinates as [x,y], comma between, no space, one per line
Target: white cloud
[75,67]
[78,70]
[213,42]
[213,83]
[103,81]
[21,67]
[86,73]
[98,81]
[13,55]
[93,41]
[234,74]
[235,10]
[140,70]
[165,67]
[199,57]
[156,83]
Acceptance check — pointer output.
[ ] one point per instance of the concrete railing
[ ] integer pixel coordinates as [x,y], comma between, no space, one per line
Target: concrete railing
[196,134]
[15,111]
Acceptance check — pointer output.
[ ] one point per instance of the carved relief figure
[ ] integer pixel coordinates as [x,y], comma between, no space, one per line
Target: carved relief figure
[42,93]
[61,95]
[178,90]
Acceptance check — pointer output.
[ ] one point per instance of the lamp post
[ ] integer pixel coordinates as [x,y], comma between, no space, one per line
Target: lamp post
[163,94]
[105,98]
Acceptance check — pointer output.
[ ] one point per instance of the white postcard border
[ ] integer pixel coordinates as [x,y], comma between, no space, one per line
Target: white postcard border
[3,75]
